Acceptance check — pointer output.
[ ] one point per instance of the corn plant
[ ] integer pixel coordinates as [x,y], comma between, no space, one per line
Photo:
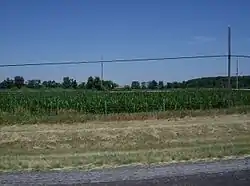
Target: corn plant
[120,102]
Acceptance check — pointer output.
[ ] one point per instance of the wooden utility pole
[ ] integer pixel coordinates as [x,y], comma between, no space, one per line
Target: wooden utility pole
[102,71]
[237,74]
[229,58]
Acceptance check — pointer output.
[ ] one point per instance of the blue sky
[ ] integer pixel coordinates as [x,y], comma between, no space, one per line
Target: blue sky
[78,30]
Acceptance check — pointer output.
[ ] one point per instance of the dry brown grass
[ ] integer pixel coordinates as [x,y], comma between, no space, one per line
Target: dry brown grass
[97,144]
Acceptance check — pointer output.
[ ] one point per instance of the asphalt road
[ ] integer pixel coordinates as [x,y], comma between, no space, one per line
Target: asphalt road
[226,172]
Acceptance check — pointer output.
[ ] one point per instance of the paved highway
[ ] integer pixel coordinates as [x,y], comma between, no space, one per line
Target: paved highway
[226,172]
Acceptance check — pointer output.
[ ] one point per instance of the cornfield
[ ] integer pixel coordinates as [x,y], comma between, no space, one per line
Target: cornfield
[120,102]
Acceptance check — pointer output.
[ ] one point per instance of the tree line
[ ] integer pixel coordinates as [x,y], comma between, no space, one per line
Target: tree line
[95,83]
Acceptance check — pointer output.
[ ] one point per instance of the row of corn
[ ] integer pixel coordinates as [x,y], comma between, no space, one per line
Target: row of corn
[120,102]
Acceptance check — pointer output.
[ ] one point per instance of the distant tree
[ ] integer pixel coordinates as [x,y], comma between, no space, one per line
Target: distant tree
[97,83]
[34,83]
[127,87]
[161,85]
[109,85]
[135,85]
[152,85]
[183,84]
[168,85]
[175,84]
[45,84]
[114,85]
[10,83]
[143,85]
[74,84]
[82,85]
[90,83]
[19,81]
[51,84]
[3,84]
[69,83]
[66,82]
[7,84]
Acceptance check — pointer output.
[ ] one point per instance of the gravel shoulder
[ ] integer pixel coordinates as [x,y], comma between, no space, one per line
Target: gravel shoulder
[131,173]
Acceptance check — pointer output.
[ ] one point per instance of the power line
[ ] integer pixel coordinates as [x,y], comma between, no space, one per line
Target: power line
[113,61]
[241,56]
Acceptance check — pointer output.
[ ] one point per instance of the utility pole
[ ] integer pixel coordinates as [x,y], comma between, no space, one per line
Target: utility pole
[237,74]
[229,57]
[102,72]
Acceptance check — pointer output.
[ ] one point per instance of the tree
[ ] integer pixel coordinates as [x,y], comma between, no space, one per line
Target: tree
[82,85]
[183,84]
[74,84]
[109,85]
[34,83]
[127,87]
[90,83]
[144,85]
[3,84]
[161,85]
[45,84]
[69,83]
[175,84]
[66,82]
[135,85]
[169,85]
[97,84]
[19,81]
[51,84]
[7,84]
[152,85]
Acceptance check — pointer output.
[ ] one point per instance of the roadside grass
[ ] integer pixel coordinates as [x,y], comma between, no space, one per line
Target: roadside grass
[21,116]
[95,144]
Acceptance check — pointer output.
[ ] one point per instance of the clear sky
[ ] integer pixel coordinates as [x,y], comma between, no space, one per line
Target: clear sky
[35,31]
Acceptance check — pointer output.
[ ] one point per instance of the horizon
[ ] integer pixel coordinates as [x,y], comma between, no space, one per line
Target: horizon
[129,84]
[56,31]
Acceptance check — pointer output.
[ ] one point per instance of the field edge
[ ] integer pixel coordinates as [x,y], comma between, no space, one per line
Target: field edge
[74,117]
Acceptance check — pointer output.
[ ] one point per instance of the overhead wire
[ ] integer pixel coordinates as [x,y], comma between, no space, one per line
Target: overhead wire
[113,61]
[121,60]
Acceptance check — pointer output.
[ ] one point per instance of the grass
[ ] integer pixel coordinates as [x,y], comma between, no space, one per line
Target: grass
[93,144]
